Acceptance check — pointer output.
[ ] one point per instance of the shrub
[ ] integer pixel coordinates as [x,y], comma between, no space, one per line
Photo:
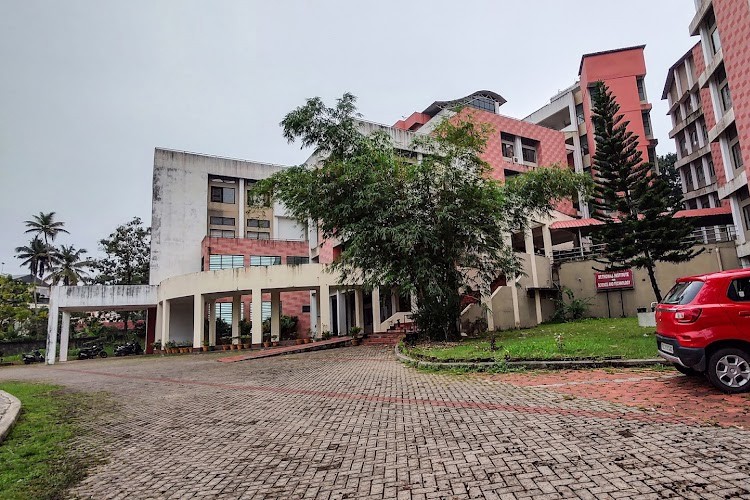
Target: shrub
[573,310]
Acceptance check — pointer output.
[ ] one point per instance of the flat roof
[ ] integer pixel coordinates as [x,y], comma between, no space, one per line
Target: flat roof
[603,52]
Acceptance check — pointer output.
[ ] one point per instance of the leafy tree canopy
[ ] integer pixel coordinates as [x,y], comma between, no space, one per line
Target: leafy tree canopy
[127,251]
[433,224]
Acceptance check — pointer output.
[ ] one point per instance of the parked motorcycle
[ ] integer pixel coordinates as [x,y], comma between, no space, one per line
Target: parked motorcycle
[128,349]
[92,352]
[33,357]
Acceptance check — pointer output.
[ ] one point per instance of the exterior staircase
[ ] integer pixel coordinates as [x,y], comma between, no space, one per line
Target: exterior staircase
[390,337]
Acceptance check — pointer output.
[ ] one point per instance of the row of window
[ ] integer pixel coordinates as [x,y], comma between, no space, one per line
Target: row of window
[224,311]
[217,262]
[220,194]
[229,221]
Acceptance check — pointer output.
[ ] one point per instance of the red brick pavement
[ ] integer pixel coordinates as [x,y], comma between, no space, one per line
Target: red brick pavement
[666,393]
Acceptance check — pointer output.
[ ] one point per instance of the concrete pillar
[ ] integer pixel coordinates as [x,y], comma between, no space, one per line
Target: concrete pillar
[159,316]
[53,312]
[198,318]
[340,312]
[514,298]
[241,200]
[376,309]
[212,322]
[151,323]
[236,313]
[394,301]
[325,308]
[314,308]
[275,315]
[547,237]
[64,336]
[359,308]
[529,241]
[165,312]
[257,314]
[487,309]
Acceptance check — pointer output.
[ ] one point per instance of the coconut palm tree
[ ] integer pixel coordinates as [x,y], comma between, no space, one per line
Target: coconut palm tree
[45,225]
[70,267]
[39,257]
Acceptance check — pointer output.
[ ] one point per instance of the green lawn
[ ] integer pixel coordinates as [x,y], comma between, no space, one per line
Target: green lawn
[585,339]
[36,458]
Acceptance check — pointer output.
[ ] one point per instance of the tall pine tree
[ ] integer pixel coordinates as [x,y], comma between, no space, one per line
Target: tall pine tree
[636,205]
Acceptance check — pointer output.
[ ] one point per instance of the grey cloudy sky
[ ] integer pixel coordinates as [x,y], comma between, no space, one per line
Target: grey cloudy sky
[89,88]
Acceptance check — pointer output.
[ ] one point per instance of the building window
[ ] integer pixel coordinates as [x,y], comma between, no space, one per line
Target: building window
[221,233]
[264,260]
[683,145]
[579,114]
[528,148]
[704,131]
[258,235]
[713,32]
[257,200]
[746,216]
[508,145]
[723,86]
[585,144]
[294,260]
[217,262]
[641,88]
[221,221]
[262,223]
[700,175]
[647,124]
[688,176]
[223,310]
[734,147]
[693,133]
[222,194]
[711,169]
[483,103]
[306,309]
[651,152]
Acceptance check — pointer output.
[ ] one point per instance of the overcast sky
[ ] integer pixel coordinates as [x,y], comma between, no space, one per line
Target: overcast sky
[88,89]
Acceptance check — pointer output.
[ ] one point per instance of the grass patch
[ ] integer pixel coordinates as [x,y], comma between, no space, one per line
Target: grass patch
[38,458]
[617,338]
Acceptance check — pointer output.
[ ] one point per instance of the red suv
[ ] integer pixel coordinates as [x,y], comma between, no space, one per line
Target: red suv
[703,326]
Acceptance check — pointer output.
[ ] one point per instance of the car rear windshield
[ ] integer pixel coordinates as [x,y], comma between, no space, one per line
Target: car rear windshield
[683,292]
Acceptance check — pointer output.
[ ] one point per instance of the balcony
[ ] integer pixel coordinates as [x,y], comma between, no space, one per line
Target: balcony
[690,118]
[692,156]
[721,126]
[705,77]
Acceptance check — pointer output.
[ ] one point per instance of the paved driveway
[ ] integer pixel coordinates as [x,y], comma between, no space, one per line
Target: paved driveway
[354,423]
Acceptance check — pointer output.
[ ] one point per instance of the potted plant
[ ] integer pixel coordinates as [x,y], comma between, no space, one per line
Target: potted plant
[171,347]
[184,347]
[206,347]
[355,333]
[157,347]
[246,341]
[325,335]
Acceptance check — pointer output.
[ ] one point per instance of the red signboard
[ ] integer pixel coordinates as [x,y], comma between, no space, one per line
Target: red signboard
[614,280]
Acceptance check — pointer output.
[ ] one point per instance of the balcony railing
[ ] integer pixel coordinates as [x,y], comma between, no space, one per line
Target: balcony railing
[701,236]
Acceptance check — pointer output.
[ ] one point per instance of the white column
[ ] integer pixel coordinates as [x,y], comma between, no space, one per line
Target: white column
[314,308]
[159,315]
[241,199]
[325,308]
[394,301]
[64,336]
[212,322]
[547,237]
[529,242]
[275,315]
[236,310]
[341,312]
[514,298]
[376,309]
[165,312]
[52,326]
[257,314]
[487,307]
[359,308]
[198,318]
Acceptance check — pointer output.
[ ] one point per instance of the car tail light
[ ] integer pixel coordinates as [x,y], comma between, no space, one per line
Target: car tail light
[688,315]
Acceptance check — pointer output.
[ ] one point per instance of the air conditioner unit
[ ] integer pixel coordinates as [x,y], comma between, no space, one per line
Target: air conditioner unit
[515,159]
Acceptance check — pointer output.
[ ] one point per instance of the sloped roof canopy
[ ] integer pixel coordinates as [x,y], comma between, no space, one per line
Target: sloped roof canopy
[436,106]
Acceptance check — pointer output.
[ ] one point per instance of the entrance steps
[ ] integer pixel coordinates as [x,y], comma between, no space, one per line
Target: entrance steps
[290,349]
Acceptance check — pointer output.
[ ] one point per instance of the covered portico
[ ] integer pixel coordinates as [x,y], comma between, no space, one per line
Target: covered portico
[199,292]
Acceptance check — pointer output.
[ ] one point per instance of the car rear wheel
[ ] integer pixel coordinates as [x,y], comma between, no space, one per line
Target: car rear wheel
[686,371]
[103,354]
[729,370]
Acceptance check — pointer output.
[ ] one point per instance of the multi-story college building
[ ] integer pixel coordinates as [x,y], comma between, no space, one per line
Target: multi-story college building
[217,251]
[710,109]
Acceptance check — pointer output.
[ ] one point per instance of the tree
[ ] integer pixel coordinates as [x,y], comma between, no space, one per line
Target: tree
[433,227]
[39,257]
[70,269]
[15,297]
[127,250]
[671,175]
[636,205]
[45,225]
